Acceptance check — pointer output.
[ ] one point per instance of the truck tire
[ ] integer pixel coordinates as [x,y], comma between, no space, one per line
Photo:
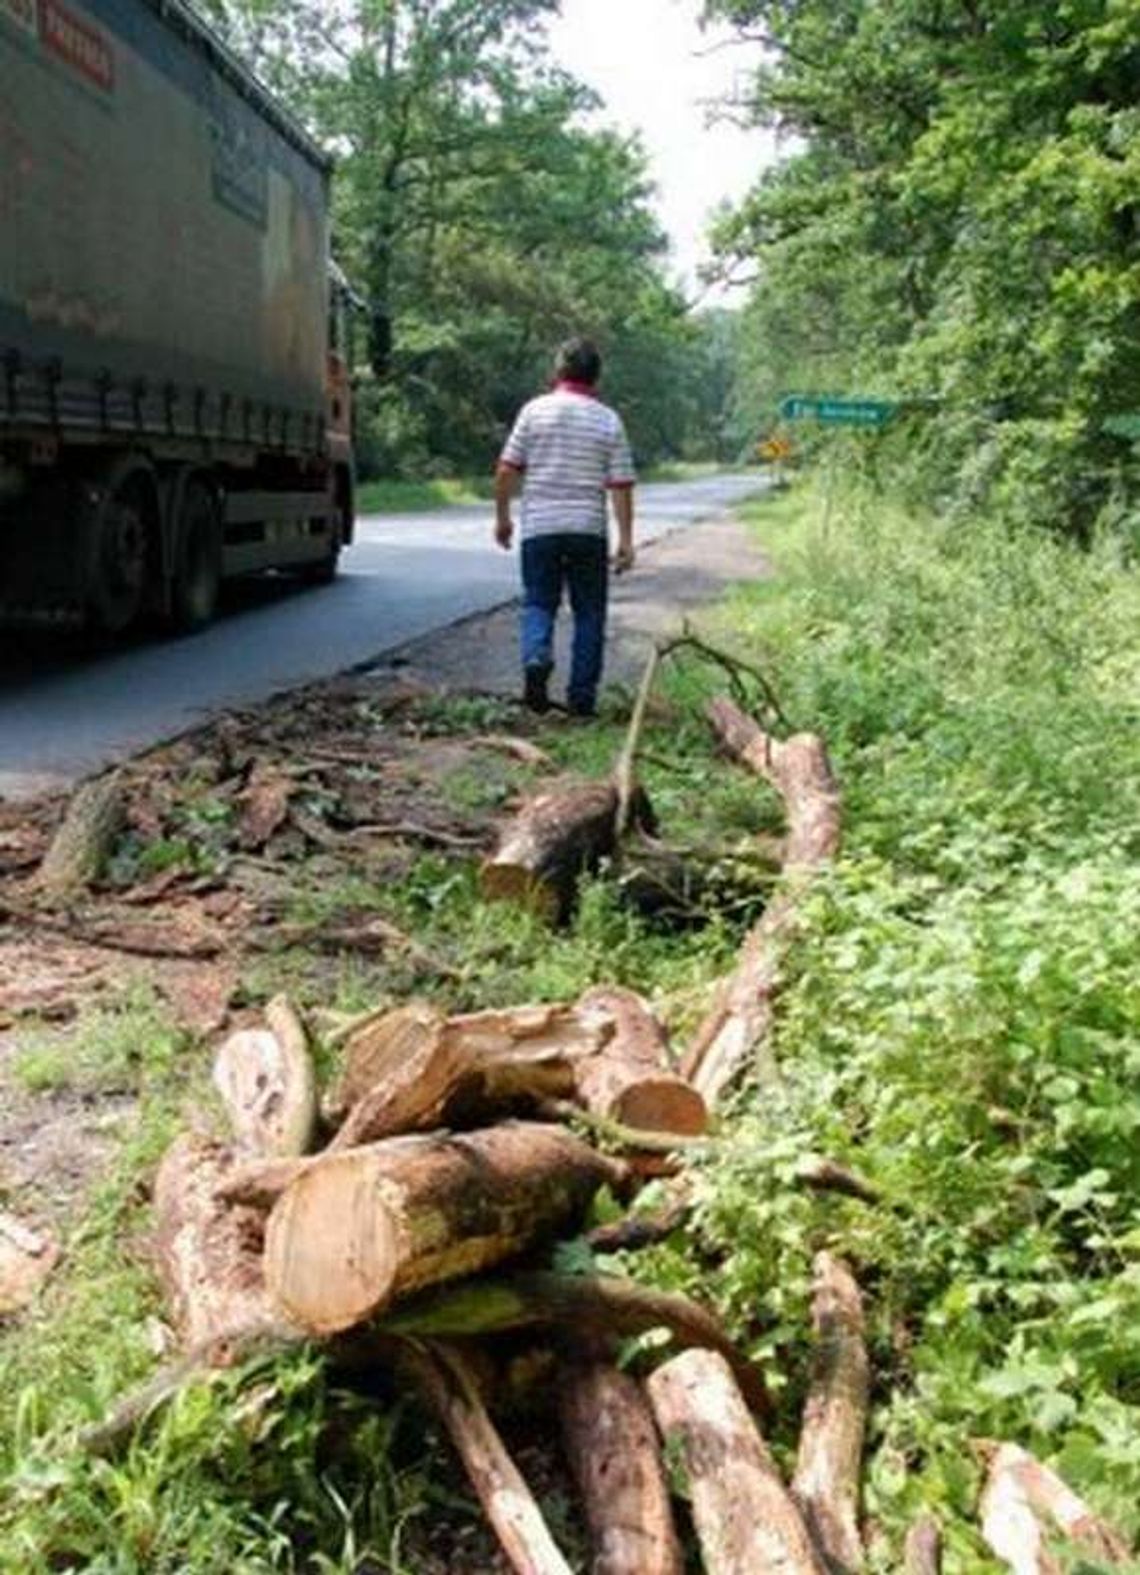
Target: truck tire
[120,547]
[197,572]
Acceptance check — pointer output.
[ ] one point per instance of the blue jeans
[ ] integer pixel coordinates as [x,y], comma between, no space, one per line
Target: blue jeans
[578,562]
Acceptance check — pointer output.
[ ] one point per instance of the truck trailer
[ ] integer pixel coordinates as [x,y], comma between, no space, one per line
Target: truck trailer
[174,391]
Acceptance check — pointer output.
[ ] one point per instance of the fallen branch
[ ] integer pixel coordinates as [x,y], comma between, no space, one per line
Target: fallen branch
[740,1021]
[582,1303]
[615,1458]
[624,776]
[507,1501]
[826,1481]
[745,1519]
[733,667]
[208,1251]
[227,1350]
[1020,1494]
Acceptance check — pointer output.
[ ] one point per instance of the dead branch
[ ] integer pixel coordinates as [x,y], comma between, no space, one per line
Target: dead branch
[739,1023]
[625,767]
[507,1502]
[361,1228]
[27,1257]
[611,1445]
[745,1519]
[582,1303]
[1022,1496]
[826,1482]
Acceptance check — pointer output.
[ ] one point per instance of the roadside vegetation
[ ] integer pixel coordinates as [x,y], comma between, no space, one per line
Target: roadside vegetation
[961,1024]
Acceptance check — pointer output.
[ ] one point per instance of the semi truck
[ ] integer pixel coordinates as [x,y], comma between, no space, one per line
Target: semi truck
[174,388]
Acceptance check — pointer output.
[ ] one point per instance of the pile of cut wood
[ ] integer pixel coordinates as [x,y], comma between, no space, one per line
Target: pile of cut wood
[406,1214]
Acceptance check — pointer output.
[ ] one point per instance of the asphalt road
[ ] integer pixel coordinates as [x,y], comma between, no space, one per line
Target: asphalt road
[66,710]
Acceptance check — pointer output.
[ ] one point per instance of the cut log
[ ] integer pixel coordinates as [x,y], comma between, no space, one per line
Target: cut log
[740,1021]
[363,1227]
[208,1252]
[631,1082]
[1021,1497]
[556,836]
[507,1501]
[922,1554]
[423,1070]
[745,1519]
[27,1257]
[94,818]
[376,1047]
[597,1305]
[614,1455]
[266,1081]
[826,1481]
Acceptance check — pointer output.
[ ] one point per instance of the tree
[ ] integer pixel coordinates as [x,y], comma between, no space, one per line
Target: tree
[480,216]
[961,227]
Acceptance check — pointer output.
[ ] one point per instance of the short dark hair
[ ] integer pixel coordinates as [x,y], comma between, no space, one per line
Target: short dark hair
[578,361]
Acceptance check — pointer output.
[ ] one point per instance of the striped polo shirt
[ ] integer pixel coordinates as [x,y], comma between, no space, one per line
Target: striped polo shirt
[570,448]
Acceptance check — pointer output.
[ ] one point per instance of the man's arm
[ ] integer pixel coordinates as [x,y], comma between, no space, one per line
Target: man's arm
[622,498]
[506,484]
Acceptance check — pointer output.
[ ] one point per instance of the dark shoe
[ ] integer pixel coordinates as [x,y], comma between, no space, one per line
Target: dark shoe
[535,697]
[582,708]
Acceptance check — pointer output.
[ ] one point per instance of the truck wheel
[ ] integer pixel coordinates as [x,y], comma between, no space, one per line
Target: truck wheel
[198,559]
[323,571]
[119,545]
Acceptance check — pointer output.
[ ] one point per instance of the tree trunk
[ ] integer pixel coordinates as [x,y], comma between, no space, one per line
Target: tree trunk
[208,1251]
[631,1081]
[611,1444]
[741,1019]
[826,1482]
[507,1501]
[1020,1492]
[923,1552]
[746,1522]
[266,1081]
[78,851]
[556,836]
[361,1228]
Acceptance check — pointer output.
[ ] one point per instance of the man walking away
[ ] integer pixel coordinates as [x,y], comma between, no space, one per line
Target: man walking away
[569,449]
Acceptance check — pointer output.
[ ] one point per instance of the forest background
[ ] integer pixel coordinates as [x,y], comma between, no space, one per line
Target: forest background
[955,224]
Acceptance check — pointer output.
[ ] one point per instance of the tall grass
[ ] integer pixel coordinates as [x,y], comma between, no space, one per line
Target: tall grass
[964,1011]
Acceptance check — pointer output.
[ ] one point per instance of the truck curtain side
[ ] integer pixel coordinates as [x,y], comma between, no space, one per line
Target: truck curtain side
[171,408]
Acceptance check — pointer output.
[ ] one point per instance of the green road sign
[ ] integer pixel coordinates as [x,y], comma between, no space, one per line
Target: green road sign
[1126,425]
[838,412]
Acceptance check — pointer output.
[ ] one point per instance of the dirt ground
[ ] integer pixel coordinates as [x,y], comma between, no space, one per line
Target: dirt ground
[673,577]
[346,777]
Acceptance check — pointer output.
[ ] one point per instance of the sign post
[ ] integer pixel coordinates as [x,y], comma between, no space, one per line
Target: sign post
[837,412]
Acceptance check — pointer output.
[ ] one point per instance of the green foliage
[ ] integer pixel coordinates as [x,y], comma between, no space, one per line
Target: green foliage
[958,225]
[962,1018]
[483,220]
